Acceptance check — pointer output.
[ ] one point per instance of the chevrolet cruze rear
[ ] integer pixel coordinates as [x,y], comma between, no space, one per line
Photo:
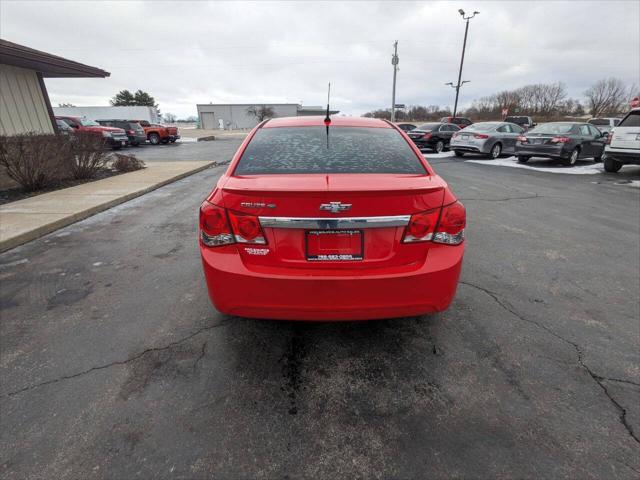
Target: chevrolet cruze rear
[344,222]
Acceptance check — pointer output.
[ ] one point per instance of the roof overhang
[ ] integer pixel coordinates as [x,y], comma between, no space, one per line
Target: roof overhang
[50,66]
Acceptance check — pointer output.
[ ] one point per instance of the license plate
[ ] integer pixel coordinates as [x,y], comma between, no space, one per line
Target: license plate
[464,137]
[334,245]
[537,141]
[123,143]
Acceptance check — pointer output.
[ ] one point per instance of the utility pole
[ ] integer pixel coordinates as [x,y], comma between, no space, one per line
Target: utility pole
[394,62]
[464,47]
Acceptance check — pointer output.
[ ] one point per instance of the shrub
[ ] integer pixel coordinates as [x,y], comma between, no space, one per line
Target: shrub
[88,155]
[34,160]
[127,163]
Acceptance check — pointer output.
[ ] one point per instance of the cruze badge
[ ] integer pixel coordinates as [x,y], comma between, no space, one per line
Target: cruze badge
[257,205]
[335,207]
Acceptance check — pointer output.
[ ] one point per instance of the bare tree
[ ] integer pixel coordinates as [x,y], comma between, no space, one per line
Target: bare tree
[260,112]
[606,96]
[169,117]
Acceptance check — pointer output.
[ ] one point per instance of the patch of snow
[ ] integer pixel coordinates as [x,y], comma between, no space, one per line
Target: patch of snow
[14,263]
[187,140]
[97,264]
[543,165]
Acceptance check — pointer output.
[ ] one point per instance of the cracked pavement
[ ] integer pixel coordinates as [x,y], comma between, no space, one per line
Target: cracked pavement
[114,364]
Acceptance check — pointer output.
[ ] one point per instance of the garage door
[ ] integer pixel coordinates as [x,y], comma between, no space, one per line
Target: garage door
[208,120]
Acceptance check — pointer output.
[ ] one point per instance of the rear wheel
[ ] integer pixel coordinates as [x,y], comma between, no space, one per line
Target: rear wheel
[611,165]
[458,153]
[154,138]
[571,160]
[523,158]
[495,151]
[439,146]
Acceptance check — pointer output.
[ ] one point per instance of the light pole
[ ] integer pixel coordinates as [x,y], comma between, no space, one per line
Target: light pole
[394,62]
[464,46]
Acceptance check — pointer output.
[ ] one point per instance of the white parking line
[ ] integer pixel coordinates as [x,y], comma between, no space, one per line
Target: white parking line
[586,167]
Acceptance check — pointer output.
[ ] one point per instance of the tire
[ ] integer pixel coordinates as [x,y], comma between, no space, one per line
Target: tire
[495,151]
[439,148]
[611,165]
[154,138]
[165,141]
[458,153]
[172,141]
[523,159]
[573,158]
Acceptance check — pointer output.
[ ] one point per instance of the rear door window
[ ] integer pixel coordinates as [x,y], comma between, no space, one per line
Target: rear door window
[631,120]
[285,150]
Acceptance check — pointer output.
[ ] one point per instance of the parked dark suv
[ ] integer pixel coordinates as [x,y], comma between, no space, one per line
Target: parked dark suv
[459,121]
[524,122]
[134,130]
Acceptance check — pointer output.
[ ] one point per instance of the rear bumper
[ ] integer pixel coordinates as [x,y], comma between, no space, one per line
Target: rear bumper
[549,151]
[466,147]
[627,156]
[234,289]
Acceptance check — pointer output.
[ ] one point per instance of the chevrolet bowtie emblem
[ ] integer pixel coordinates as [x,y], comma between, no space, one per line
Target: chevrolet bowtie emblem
[335,207]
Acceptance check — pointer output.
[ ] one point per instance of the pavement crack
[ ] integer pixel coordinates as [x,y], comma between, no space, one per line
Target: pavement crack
[124,362]
[596,378]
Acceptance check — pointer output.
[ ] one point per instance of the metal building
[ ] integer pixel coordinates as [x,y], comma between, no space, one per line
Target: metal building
[24,102]
[226,116]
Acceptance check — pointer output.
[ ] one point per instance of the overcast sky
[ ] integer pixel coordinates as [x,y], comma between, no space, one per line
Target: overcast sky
[184,53]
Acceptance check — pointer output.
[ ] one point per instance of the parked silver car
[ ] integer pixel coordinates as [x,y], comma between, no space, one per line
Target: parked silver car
[487,138]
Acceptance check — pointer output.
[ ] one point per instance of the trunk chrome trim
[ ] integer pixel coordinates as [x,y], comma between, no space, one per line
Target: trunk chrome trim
[335,223]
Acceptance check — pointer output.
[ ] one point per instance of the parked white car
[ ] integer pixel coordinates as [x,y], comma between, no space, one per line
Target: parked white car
[623,144]
[605,124]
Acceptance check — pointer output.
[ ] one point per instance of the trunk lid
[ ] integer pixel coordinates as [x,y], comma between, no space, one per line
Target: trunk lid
[301,196]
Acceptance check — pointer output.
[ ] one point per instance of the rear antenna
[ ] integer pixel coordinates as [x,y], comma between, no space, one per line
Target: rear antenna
[327,119]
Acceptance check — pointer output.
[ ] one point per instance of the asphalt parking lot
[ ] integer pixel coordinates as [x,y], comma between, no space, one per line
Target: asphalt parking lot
[115,365]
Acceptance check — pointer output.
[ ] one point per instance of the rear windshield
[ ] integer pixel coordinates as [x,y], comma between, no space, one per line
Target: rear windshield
[347,150]
[429,126]
[599,121]
[631,120]
[481,127]
[517,119]
[553,128]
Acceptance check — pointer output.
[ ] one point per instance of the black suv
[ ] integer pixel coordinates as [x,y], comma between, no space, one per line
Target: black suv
[134,130]
[462,122]
[524,122]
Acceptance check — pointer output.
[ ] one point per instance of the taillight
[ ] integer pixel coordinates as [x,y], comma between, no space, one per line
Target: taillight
[480,136]
[421,226]
[455,135]
[130,132]
[560,140]
[444,225]
[450,228]
[608,141]
[214,226]
[247,228]
[523,139]
[427,135]
[222,227]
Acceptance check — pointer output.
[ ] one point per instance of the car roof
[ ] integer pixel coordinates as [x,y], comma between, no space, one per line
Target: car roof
[318,121]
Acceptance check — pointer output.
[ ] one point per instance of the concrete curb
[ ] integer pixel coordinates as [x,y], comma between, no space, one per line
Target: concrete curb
[37,232]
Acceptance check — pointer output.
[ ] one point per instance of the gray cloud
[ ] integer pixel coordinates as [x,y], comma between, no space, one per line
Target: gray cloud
[185,53]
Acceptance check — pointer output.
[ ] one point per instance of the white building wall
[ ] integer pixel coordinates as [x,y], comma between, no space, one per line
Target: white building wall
[234,116]
[22,105]
[149,114]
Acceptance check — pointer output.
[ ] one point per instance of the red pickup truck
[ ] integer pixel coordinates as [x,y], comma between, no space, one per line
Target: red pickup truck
[114,137]
[157,133]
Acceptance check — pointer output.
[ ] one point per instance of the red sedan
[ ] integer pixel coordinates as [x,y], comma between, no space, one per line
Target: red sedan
[345,221]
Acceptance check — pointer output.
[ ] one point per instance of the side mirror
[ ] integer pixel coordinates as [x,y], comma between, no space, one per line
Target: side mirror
[605,134]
